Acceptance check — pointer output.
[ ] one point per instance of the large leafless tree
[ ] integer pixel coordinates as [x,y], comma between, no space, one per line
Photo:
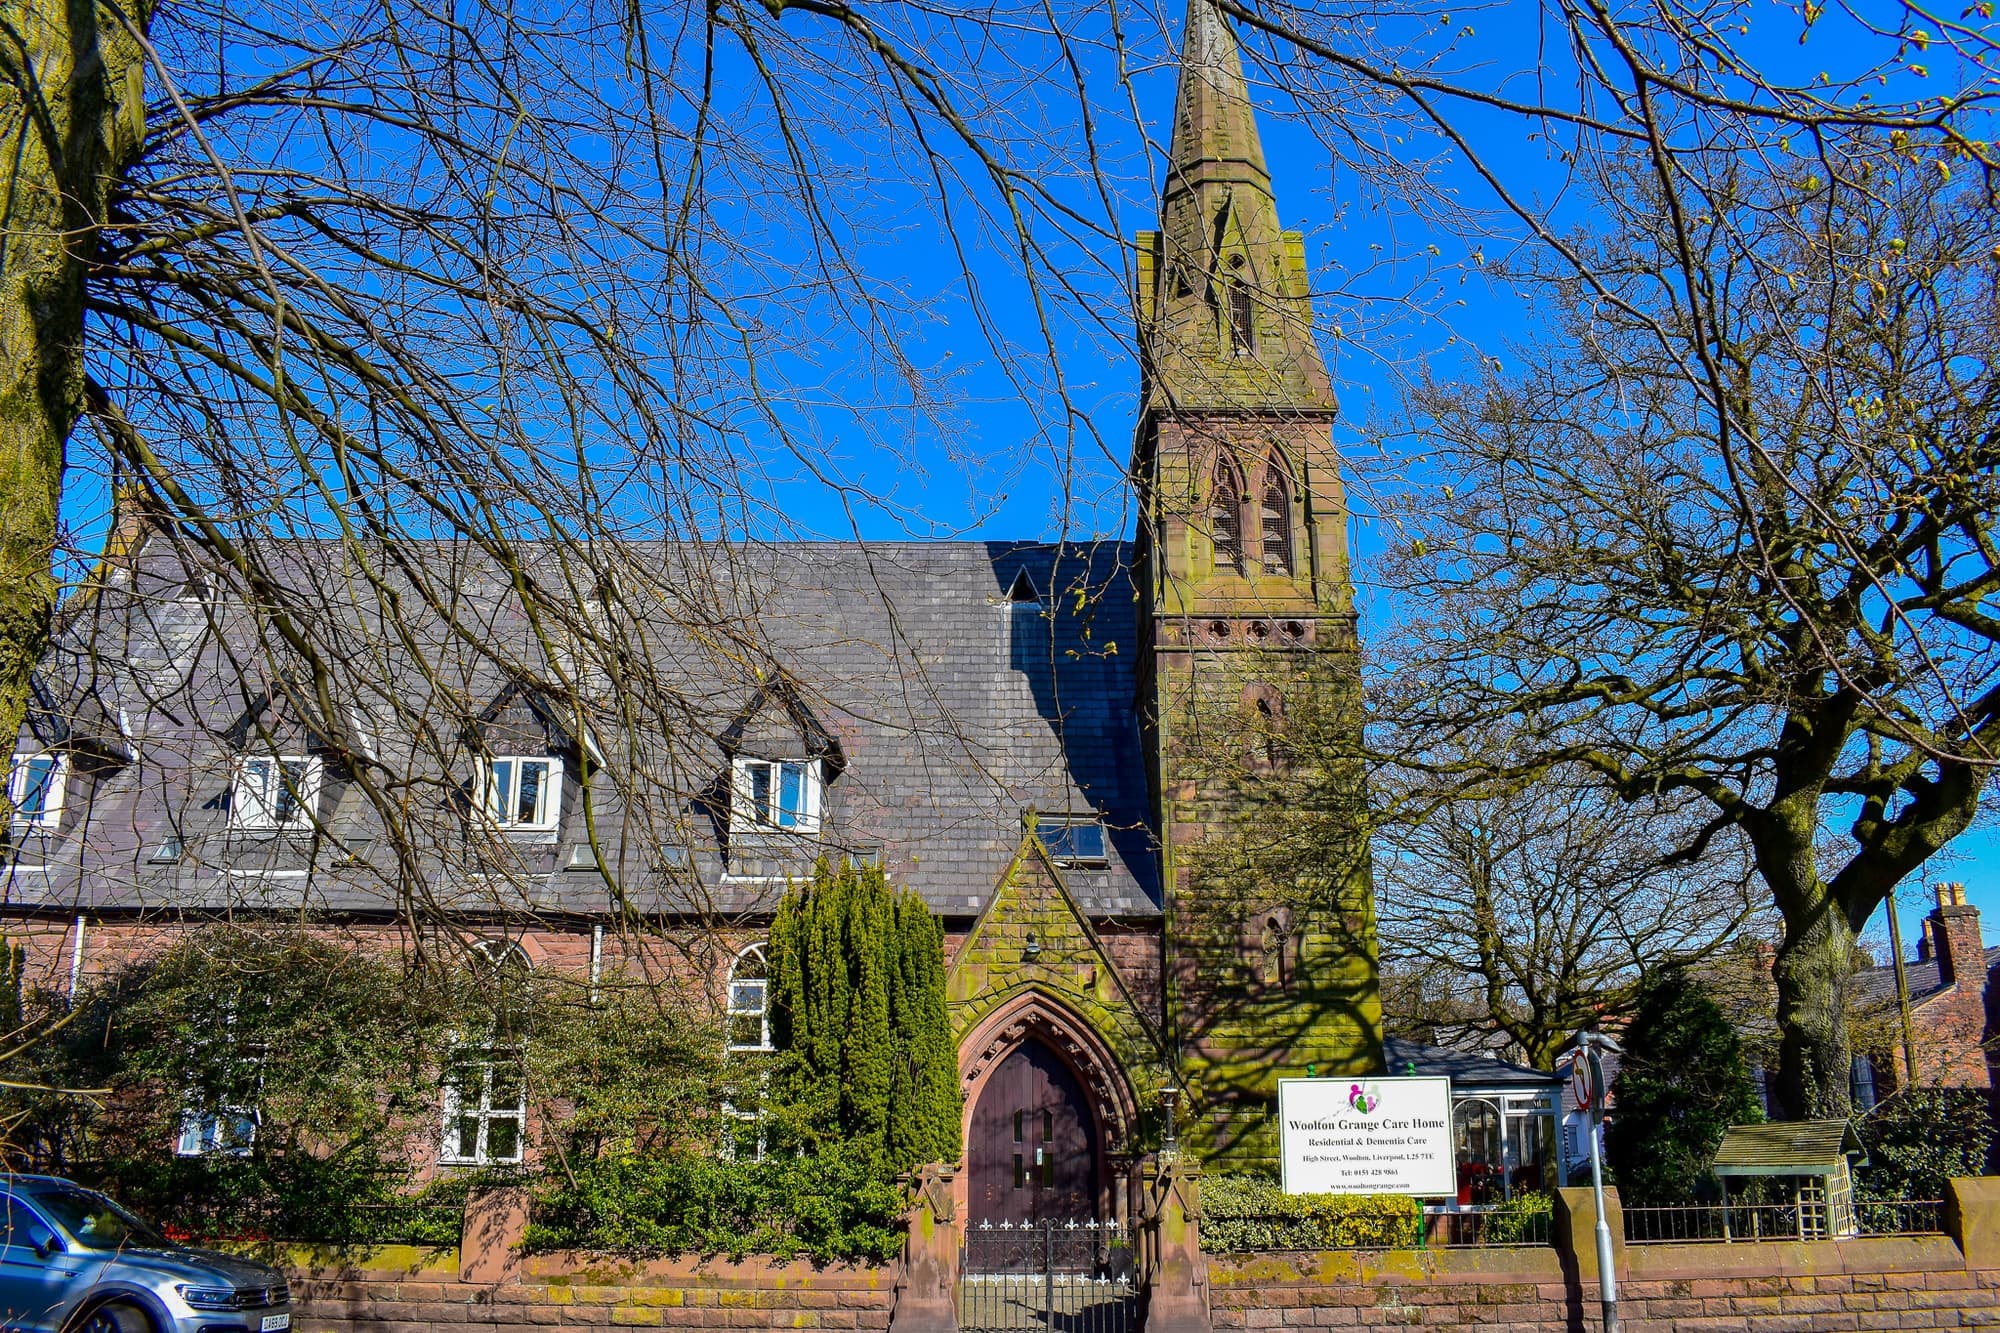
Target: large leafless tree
[387,273]
[1779,604]
[1535,912]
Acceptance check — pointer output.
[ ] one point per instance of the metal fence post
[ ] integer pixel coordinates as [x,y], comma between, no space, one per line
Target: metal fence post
[1049,1273]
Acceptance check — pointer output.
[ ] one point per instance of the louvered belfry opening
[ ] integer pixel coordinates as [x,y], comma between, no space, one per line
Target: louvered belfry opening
[1277,518]
[1225,516]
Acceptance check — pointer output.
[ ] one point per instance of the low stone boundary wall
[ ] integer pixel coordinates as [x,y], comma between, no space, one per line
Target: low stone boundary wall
[400,1289]
[1870,1282]
[1887,1283]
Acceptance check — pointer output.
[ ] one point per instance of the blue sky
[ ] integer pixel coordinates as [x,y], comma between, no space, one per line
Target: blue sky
[976,442]
[1399,288]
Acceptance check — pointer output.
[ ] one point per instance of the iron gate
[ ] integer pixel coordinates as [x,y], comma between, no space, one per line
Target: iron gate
[1076,1277]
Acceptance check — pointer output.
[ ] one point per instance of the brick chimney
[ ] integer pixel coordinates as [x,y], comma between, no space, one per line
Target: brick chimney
[1953,928]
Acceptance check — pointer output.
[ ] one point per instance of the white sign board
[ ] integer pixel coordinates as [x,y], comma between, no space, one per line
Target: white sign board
[1367,1136]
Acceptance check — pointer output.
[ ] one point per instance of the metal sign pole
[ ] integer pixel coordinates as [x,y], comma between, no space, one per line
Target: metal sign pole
[1607,1277]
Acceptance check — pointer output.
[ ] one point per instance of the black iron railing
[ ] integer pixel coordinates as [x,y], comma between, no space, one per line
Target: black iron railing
[1079,1277]
[1808,1219]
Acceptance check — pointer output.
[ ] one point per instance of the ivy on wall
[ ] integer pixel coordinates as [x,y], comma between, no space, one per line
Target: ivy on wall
[824,1206]
[317,1068]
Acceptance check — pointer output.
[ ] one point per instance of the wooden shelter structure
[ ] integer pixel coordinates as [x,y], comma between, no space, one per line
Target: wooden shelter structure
[1817,1157]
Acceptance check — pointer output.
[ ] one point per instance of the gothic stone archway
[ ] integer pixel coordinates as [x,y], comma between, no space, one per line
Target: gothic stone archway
[1035,1056]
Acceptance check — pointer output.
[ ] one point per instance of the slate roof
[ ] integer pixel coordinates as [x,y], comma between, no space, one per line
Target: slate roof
[1874,987]
[943,711]
[1465,1069]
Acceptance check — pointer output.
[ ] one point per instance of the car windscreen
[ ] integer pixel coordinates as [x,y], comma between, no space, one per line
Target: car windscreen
[95,1221]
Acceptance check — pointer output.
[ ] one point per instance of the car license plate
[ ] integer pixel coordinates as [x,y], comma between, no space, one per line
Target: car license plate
[273,1322]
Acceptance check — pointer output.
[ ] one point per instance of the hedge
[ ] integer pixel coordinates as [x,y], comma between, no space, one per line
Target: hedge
[831,1205]
[1245,1213]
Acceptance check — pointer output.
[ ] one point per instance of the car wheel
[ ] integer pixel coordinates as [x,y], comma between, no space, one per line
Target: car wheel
[115,1317]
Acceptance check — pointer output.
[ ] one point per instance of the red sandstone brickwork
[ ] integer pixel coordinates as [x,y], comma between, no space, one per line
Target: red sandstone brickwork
[406,1291]
[1875,1283]
[695,959]
[108,946]
[1885,1283]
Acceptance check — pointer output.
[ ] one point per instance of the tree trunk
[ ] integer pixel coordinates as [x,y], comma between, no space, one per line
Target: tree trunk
[72,119]
[1813,966]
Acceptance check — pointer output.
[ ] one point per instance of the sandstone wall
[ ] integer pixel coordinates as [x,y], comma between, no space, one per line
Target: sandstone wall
[399,1289]
[1886,1283]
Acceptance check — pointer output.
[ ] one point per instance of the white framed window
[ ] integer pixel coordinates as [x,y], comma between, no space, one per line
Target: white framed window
[749,1009]
[227,1131]
[776,794]
[485,1107]
[522,791]
[745,1136]
[35,786]
[279,791]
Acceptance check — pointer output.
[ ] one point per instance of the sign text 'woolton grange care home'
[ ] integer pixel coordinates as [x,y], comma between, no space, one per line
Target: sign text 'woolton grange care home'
[1366,1136]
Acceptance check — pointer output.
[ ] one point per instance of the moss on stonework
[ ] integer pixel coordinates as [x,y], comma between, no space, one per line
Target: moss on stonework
[1033,937]
[1273,921]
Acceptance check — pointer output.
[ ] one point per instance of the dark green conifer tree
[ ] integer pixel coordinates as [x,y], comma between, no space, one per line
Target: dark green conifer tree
[1681,1084]
[858,1012]
[924,1076]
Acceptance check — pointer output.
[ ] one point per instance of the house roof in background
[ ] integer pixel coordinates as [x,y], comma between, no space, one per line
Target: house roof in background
[1876,986]
[1468,1071]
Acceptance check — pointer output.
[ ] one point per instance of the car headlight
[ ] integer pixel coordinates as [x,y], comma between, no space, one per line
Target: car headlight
[208,1298]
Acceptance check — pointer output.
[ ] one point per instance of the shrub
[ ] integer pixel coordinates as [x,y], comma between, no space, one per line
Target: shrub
[1920,1138]
[1516,1221]
[1681,1084]
[337,1201]
[831,1205]
[339,1052]
[1243,1213]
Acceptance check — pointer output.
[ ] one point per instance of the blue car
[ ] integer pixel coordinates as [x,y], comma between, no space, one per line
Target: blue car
[75,1262]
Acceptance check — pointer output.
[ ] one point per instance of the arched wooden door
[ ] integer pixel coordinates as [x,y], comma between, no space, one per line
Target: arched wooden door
[1032,1147]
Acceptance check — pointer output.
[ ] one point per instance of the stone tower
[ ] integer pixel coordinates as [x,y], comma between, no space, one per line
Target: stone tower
[1250,629]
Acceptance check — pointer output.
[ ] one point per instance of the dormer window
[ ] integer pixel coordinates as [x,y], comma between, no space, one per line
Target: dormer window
[522,791]
[779,795]
[275,792]
[1028,626]
[35,786]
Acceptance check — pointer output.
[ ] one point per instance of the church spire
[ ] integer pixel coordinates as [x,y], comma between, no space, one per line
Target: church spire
[1224,304]
[1245,604]
[1215,140]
